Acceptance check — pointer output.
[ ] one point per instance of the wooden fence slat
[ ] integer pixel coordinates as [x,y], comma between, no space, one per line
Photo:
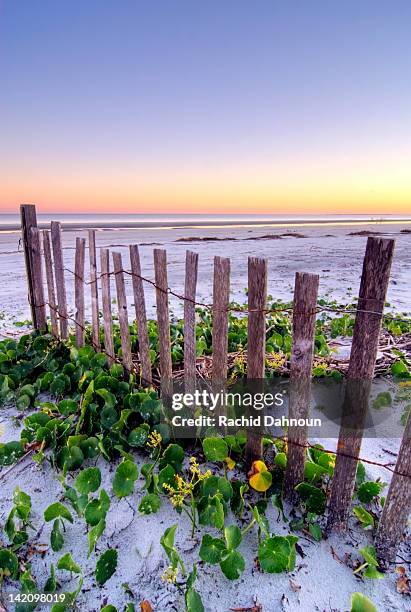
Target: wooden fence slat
[106,302]
[59,274]
[79,290]
[94,288]
[163,321]
[141,316]
[304,316]
[37,272]
[28,220]
[395,513]
[373,289]
[122,312]
[190,321]
[50,283]
[257,303]
[221,299]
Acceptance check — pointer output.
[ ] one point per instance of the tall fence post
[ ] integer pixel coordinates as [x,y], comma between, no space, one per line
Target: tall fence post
[122,312]
[373,289]
[37,271]
[304,315]
[79,290]
[50,283]
[163,322]
[28,220]
[106,302]
[59,273]
[221,299]
[33,267]
[141,316]
[94,288]
[190,321]
[257,303]
[397,505]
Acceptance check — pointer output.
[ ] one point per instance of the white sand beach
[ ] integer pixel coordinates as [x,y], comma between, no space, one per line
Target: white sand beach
[322,579]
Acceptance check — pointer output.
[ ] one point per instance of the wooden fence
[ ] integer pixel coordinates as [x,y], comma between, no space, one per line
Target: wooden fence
[374,283]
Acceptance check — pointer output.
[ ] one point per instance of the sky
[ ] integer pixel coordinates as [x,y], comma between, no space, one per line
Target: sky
[221,106]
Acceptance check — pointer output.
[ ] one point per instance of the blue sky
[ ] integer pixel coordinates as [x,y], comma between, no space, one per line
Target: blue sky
[166,105]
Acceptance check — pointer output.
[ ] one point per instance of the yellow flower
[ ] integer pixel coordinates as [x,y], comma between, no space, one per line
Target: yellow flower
[2,430]
[154,439]
[170,574]
[276,360]
[230,463]
[184,488]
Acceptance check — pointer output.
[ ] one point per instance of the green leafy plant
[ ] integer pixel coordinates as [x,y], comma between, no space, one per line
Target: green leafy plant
[364,517]
[361,603]
[224,552]
[106,565]
[368,569]
[277,554]
[124,478]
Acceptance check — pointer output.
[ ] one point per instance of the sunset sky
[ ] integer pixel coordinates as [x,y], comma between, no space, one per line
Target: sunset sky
[214,106]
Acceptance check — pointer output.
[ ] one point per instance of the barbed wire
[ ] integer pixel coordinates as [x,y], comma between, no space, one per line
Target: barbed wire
[114,358]
[243,309]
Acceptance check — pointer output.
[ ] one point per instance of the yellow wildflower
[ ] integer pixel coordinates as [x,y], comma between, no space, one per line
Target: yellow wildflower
[230,463]
[276,360]
[154,439]
[184,488]
[195,470]
[170,575]
[2,430]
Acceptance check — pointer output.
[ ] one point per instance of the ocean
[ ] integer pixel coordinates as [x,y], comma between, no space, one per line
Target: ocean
[11,222]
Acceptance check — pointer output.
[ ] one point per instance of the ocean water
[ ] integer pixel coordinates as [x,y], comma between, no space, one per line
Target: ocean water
[11,222]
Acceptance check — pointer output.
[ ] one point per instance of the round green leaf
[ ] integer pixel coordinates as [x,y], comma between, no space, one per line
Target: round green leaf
[88,480]
[97,509]
[149,504]
[232,565]
[211,549]
[138,437]
[57,510]
[106,565]
[124,478]
[274,554]
[215,449]
[217,484]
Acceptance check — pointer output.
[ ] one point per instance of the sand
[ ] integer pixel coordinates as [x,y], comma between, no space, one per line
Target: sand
[320,581]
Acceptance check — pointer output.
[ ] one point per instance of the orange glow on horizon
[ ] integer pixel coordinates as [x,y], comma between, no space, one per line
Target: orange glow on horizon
[293,187]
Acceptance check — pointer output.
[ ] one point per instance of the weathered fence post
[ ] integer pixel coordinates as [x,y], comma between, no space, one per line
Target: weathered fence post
[37,271]
[301,362]
[33,267]
[106,301]
[59,274]
[122,312]
[257,303]
[141,316]
[397,505]
[94,288]
[190,321]
[373,289]
[163,322]
[28,220]
[50,283]
[79,290]
[221,299]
